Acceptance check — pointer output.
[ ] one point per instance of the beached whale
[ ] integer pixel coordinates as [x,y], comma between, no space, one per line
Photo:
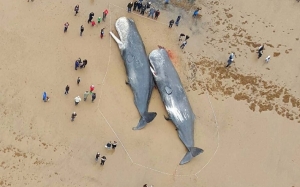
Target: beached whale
[175,100]
[137,67]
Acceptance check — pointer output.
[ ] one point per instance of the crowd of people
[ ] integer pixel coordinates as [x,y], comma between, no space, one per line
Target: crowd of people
[143,8]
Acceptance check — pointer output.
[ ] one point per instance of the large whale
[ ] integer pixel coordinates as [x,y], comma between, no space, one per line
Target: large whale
[137,67]
[175,100]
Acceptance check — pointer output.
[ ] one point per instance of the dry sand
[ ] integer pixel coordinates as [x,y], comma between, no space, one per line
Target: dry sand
[247,116]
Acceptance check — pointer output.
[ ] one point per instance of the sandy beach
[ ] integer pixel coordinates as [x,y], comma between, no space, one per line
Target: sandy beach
[247,115]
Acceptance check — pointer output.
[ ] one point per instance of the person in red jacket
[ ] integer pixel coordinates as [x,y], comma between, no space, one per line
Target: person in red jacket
[92,87]
[105,14]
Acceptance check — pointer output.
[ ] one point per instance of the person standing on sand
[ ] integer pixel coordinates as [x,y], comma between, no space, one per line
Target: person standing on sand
[151,12]
[105,12]
[73,116]
[171,23]
[183,44]
[259,54]
[76,64]
[99,20]
[157,13]
[76,9]
[78,81]
[103,159]
[196,12]
[91,15]
[77,100]
[129,6]
[93,97]
[139,7]
[268,59]
[102,33]
[114,145]
[66,26]
[135,4]
[81,30]
[85,95]
[230,60]
[84,63]
[177,20]
[92,87]
[181,35]
[67,89]
[97,157]
[31,1]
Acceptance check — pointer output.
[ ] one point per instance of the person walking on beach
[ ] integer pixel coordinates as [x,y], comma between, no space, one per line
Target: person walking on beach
[196,12]
[77,100]
[78,80]
[181,35]
[268,59]
[102,33]
[105,12]
[92,87]
[84,63]
[76,64]
[93,97]
[73,116]
[91,15]
[76,9]
[103,159]
[97,157]
[108,145]
[114,145]
[81,30]
[183,44]
[260,54]
[135,4]
[157,13]
[67,89]
[66,26]
[230,60]
[177,20]
[129,6]
[99,20]
[85,95]
[151,12]
[261,48]
[171,23]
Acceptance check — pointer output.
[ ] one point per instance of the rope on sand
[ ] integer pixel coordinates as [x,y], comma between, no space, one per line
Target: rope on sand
[140,165]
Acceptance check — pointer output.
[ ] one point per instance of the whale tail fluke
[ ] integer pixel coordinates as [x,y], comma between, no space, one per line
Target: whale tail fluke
[146,118]
[193,151]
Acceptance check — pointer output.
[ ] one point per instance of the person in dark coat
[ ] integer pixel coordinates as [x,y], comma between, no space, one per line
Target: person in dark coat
[91,17]
[177,21]
[93,97]
[171,23]
[135,5]
[76,9]
[139,6]
[129,6]
[143,9]
[157,13]
[67,89]
[84,63]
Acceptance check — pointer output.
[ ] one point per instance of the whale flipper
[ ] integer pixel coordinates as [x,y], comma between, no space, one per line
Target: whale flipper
[146,118]
[119,42]
[193,151]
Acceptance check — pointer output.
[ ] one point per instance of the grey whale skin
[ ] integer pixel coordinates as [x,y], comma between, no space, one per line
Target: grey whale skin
[137,67]
[175,100]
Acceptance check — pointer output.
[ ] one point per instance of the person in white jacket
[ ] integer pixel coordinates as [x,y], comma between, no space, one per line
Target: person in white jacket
[77,100]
